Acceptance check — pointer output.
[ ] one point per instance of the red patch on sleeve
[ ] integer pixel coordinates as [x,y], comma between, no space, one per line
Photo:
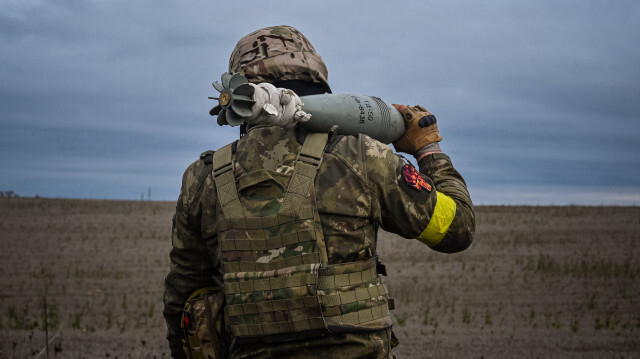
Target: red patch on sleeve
[414,179]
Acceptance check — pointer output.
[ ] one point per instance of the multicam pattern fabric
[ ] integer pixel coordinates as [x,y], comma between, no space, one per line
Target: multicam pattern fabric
[278,53]
[277,280]
[203,325]
[359,187]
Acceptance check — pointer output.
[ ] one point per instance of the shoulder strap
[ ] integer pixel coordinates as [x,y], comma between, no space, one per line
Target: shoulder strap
[305,170]
[226,183]
[304,174]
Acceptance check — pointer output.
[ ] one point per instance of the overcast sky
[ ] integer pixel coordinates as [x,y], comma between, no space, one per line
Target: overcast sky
[538,102]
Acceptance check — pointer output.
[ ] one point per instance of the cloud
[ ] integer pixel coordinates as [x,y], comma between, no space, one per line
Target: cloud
[525,92]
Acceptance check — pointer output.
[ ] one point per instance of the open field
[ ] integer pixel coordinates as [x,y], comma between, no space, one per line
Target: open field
[539,282]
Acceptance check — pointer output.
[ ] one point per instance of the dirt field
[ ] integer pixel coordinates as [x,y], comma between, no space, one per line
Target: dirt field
[539,282]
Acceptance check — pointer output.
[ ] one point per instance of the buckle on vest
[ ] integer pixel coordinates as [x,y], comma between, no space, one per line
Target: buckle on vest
[313,161]
[217,171]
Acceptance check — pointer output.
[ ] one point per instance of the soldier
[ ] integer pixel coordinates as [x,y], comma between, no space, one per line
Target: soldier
[283,224]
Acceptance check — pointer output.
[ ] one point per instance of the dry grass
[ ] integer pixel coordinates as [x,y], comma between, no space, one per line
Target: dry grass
[558,282]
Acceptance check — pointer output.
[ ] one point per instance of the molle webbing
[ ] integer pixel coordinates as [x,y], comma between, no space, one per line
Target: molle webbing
[352,293]
[363,298]
[277,281]
[273,220]
[259,285]
[264,235]
[246,266]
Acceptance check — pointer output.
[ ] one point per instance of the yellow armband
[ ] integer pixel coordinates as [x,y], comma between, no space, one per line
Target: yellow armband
[443,215]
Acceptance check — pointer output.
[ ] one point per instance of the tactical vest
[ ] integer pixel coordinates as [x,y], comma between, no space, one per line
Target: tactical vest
[278,284]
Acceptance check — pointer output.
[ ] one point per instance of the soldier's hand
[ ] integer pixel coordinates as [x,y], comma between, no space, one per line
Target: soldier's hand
[421,129]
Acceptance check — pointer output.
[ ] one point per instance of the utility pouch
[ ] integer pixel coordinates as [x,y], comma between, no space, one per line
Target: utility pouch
[202,324]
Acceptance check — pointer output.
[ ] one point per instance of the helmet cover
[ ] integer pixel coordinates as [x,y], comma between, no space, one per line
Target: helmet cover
[278,53]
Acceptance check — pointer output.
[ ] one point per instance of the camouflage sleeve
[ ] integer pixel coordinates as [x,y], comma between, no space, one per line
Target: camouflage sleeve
[432,206]
[191,266]
[448,180]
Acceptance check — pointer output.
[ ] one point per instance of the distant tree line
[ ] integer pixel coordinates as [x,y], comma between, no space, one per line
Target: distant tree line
[8,194]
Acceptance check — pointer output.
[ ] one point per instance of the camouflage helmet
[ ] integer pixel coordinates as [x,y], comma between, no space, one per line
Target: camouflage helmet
[278,53]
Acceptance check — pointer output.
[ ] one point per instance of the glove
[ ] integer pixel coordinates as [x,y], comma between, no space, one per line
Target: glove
[421,129]
[276,106]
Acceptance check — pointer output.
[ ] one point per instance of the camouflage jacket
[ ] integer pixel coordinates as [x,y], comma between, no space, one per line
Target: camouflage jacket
[362,185]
